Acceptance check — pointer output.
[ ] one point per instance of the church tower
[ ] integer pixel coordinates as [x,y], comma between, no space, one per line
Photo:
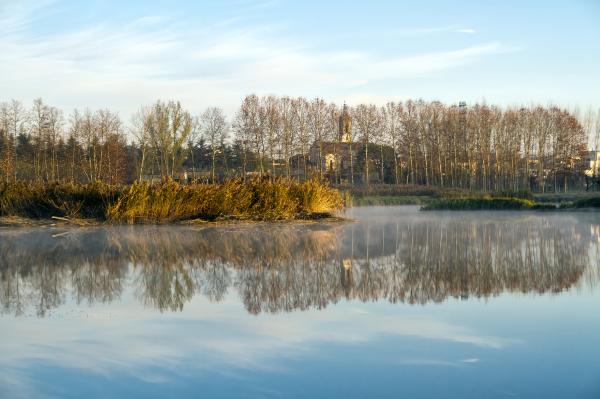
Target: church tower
[345,126]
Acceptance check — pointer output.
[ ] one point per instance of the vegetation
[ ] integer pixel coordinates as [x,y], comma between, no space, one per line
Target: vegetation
[564,197]
[436,198]
[142,202]
[476,147]
[485,203]
[267,162]
[422,195]
[405,190]
[385,194]
[388,200]
[590,202]
[41,201]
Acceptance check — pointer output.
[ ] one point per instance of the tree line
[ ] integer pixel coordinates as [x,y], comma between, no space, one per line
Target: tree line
[476,147]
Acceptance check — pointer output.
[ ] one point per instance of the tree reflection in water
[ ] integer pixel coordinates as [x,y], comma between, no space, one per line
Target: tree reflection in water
[278,268]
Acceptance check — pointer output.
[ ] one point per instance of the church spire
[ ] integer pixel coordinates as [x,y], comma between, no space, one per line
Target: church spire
[345,126]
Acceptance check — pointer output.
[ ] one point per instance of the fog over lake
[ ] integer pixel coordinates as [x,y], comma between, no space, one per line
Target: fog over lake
[397,303]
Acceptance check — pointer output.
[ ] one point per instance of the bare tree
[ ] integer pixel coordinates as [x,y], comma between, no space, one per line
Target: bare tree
[215,130]
[476,147]
[270,122]
[5,151]
[392,114]
[169,128]
[303,132]
[140,129]
[318,122]
[245,126]
[287,131]
[368,123]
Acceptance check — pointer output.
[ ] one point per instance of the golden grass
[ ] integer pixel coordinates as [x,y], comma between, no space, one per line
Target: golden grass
[258,199]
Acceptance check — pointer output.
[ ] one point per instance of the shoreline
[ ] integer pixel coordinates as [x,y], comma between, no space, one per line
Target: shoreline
[23,222]
[7,222]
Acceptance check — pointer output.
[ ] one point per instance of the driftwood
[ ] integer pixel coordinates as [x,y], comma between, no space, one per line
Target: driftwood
[75,221]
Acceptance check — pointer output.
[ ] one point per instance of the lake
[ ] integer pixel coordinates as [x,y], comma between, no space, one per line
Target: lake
[397,303]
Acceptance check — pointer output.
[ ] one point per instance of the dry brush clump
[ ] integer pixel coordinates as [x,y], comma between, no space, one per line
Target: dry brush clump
[257,199]
[45,200]
[169,201]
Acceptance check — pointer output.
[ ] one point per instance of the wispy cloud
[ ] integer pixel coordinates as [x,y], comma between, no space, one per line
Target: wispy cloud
[131,64]
[16,16]
[432,31]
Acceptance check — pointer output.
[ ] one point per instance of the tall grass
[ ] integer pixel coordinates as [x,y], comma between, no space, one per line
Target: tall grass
[39,200]
[258,199]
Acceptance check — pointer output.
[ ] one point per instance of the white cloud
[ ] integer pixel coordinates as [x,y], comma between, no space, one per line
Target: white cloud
[151,57]
[431,31]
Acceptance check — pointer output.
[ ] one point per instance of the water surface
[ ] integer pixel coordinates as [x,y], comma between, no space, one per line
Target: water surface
[397,304]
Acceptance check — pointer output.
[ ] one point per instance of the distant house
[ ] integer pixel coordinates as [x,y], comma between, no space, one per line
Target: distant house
[592,163]
[336,157]
[343,160]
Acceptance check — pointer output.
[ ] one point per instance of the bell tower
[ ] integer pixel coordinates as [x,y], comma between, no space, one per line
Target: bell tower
[345,126]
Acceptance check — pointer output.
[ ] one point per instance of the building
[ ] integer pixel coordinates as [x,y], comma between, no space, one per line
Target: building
[336,159]
[342,161]
[592,163]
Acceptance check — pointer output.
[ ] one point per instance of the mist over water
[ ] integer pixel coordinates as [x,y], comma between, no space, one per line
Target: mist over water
[265,310]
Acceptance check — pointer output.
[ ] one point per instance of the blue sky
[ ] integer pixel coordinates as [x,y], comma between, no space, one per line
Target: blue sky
[123,55]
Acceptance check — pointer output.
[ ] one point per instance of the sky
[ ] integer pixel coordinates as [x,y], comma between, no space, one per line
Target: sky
[124,54]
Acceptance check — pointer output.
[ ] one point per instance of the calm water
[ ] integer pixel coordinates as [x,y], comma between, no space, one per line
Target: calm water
[398,304]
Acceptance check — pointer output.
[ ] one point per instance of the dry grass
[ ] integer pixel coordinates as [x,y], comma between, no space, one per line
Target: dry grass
[258,199]
[43,201]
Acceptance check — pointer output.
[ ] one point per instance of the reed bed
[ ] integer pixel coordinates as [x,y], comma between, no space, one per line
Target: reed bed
[257,199]
[42,201]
